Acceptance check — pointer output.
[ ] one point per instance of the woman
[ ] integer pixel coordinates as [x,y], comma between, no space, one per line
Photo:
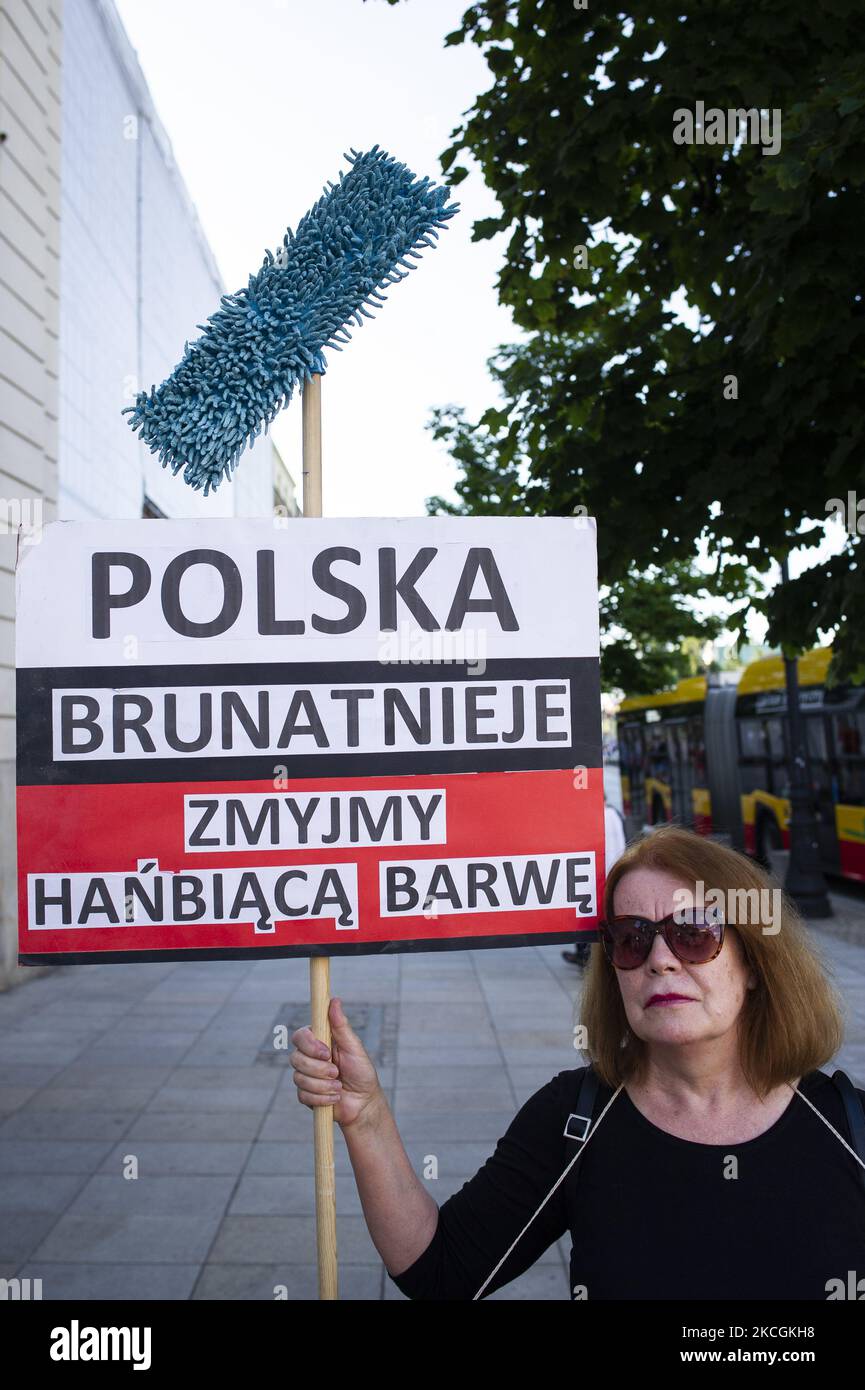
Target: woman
[710,1171]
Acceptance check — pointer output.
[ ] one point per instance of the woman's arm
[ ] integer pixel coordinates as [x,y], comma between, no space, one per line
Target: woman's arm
[399,1211]
[446,1253]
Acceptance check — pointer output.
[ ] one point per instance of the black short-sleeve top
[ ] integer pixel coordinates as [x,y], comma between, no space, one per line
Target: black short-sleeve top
[653,1216]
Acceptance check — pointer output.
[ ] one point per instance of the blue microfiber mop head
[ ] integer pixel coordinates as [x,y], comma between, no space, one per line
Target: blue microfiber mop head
[268,338]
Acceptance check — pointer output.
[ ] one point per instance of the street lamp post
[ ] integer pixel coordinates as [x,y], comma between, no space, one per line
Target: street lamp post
[804,882]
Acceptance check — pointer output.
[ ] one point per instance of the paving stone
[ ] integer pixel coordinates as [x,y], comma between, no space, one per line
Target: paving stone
[221,1055]
[194,1127]
[39,1156]
[446,1019]
[254,1099]
[24,1074]
[13,1097]
[426,991]
[114,1098]
[445,1125]
[431,1100]
[473,1078]
[268,994]
[371,992]
[446,1055]
[20,1234]
[93,1075]
[79,1014]
[170,1055]
[237,1014]
[131,1283]
[290,1195]
[27,1052]
[189,1158]
[154,1195]
[120,1238]
[267,1239]
[63,1038]
[164,1023]
[548,1059]
[292,1121]
[234,1283]
[547,1039]
[65,1124]
[293,1158]
[225,1078]
[50,1192]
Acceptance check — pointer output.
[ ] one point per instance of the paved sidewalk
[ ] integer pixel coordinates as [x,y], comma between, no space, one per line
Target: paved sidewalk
[174,1065]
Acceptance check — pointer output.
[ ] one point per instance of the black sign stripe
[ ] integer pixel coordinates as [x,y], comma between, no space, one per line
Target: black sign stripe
[37,767]
[365,948]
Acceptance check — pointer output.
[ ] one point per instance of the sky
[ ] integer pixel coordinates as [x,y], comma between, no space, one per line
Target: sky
[260,99]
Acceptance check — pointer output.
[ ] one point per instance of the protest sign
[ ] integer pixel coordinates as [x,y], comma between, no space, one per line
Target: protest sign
[244,739]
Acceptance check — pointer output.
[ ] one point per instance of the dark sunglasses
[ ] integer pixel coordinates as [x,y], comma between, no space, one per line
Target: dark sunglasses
[693,937]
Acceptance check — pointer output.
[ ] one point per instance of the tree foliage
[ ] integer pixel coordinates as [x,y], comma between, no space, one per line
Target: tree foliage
[608,402]
[643,617]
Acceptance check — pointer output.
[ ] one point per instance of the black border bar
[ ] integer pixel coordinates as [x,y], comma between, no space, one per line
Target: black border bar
[367,948]
[36,765]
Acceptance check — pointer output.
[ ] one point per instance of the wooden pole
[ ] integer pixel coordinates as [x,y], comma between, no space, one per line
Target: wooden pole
[319,966]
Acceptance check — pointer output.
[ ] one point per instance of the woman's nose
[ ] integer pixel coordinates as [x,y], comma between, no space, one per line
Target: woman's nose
[660,956]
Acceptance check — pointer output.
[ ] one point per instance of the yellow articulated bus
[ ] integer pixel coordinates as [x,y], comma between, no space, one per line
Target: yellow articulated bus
[712,755]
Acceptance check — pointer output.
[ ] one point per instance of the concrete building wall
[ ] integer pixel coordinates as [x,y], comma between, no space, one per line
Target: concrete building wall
[30,126]
[104,274]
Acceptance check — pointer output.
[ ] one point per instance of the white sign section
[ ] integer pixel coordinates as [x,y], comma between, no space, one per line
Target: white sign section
[318,590]
[308,820]
[489,883]
[320,719]
[161,898]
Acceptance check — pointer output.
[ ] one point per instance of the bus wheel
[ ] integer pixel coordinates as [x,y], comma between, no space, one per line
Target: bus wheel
[769,840]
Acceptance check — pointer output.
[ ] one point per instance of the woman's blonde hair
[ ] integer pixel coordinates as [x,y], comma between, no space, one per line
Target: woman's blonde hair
[790,1024]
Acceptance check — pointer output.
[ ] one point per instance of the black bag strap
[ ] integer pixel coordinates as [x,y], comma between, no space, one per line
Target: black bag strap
[579,1122]
[855,1114]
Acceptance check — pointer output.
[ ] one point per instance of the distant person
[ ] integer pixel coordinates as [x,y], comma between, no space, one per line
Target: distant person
[614,846]
[720,1164]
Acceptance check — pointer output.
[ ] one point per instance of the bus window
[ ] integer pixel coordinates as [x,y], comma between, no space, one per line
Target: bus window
[753,767]
[681,772]
[751,739]
[775,739]
[632,765]
[696,739]
[849,730]
[817,755]
[659,756]
[773,728]
[816,737]
[851,789]
[849,735]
